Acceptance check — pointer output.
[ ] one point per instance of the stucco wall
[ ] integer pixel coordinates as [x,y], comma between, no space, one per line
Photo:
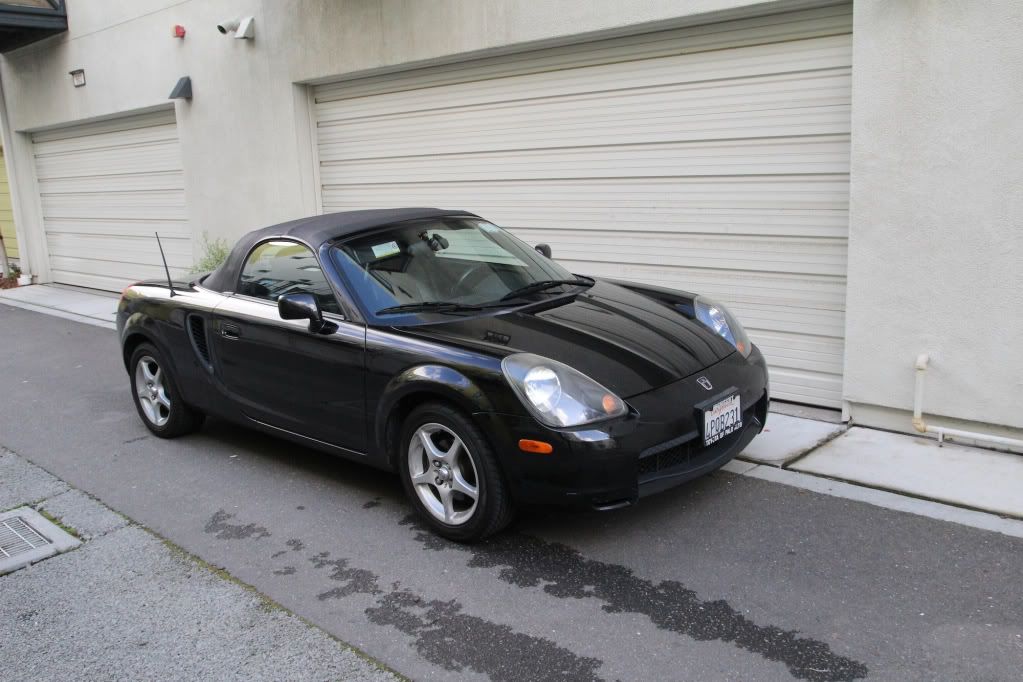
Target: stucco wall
[936,247]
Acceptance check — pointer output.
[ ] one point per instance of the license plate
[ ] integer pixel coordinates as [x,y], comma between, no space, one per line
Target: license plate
[723,418]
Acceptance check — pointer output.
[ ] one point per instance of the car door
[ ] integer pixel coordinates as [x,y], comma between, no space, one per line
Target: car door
[279,372]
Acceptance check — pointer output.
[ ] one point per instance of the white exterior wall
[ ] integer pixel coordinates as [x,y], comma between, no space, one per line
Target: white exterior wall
[936,238]
[936,159]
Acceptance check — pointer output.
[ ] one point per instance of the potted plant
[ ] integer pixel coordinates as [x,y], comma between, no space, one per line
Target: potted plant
[10,273]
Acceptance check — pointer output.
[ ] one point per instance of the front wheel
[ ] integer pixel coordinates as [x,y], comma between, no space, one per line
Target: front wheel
[156,396]
[451,475]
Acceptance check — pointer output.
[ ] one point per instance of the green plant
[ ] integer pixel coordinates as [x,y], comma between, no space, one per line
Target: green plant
[214,254]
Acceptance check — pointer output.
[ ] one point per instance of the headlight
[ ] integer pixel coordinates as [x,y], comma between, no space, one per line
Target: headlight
[558,395]
[716,317]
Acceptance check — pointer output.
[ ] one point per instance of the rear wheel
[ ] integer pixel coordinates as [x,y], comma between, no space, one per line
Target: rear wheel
[451,474]
[156,396]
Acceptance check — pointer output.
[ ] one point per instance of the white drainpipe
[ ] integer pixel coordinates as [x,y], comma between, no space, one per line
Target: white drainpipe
[920,425]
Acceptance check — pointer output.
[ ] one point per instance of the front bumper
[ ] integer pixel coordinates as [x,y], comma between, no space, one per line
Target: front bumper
[657,446]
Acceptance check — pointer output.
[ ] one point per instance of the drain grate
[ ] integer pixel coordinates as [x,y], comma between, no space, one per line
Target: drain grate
[17,537]
[27,537]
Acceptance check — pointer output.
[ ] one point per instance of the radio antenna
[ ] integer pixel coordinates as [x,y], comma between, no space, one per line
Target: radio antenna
[170,284]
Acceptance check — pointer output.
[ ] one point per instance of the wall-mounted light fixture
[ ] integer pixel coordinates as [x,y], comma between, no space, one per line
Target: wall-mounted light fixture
[78,77]
[182,89]
[179,31]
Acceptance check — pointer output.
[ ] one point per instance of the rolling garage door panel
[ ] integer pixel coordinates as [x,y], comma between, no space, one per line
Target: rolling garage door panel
[105,188]
[711,158]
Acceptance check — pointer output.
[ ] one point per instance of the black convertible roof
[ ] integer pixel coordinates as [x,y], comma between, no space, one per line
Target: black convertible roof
[315,231]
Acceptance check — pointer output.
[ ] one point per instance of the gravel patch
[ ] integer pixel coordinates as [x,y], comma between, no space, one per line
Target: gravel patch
[22,482]
[86,516]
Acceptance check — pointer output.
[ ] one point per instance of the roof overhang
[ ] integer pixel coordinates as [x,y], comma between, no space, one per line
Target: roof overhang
[25,22]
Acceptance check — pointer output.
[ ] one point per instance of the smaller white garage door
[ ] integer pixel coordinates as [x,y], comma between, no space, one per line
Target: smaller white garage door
[105,188]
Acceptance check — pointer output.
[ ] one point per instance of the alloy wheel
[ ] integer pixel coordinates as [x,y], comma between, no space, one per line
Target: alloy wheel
[151,391]
[443,474]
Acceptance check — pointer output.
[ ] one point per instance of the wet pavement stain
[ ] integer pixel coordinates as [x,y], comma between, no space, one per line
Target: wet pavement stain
[218,525]
[563,572]
[357,580]
[454,640]
[443,634]
[375,502]
[278,553]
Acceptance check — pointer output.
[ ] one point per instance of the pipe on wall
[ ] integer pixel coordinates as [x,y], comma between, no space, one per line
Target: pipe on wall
[922,362]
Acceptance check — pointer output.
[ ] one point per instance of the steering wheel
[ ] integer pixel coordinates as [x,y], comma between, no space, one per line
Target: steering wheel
[473,276]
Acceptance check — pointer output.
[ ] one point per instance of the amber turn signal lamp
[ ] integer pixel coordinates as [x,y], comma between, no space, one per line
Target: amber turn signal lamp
[610,403]
[536,446]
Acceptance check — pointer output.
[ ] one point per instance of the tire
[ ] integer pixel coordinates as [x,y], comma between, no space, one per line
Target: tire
[471,466]
[156,395]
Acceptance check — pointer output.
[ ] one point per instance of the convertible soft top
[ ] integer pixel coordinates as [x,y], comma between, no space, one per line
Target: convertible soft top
[316,230]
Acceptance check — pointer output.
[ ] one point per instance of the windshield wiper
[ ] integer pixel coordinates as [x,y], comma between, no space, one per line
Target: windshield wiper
[452,306]
[436,306]
[544,284]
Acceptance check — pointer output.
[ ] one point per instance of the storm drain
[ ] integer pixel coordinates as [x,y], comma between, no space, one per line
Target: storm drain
[17,537]
[27,537]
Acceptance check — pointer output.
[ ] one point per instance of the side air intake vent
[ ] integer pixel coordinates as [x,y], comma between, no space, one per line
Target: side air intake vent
[201,346]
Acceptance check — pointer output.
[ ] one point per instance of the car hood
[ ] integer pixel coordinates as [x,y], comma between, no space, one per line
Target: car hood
[626,341]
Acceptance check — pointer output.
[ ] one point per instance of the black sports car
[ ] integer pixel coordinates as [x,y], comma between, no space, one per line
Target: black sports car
[437,345]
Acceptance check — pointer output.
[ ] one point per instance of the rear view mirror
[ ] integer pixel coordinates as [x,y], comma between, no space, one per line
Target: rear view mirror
[303,306]
[543,249]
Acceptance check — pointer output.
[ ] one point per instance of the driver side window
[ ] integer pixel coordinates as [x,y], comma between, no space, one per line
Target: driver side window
[279,267]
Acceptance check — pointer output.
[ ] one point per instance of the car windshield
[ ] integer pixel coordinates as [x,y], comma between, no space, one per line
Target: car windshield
[446,265]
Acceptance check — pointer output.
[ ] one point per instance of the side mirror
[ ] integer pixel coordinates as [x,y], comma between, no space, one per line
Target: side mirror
[303,306]
[543,249]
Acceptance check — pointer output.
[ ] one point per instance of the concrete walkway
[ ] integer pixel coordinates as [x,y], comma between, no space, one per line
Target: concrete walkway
[127,604]
[89,306]
[973,478]
[969,477]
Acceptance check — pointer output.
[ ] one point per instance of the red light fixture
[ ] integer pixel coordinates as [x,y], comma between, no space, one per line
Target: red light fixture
[179,31]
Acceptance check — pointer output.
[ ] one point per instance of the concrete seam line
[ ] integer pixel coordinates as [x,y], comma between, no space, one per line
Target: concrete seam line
[941,511]
[823,441]
[27,504]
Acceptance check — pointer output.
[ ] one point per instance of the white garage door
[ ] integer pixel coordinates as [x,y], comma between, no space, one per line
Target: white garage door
[713,159]
[105,189]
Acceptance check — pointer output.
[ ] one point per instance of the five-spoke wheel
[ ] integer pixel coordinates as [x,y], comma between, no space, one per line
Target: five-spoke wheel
[451,474]
[156,395]
[156,406]
[443,474]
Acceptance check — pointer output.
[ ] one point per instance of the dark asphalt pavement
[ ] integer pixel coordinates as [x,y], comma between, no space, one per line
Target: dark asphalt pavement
[726,578]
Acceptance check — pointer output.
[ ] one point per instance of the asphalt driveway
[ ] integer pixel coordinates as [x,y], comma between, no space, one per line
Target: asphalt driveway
[726,578]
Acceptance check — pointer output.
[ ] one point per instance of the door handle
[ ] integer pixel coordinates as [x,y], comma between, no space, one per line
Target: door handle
[230,331]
